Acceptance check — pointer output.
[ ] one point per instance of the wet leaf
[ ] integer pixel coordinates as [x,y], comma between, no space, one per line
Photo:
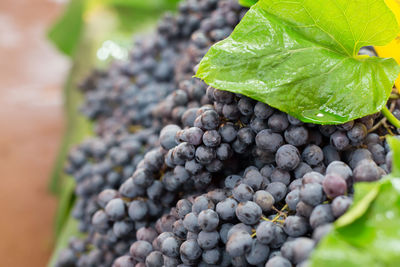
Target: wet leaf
[301,57]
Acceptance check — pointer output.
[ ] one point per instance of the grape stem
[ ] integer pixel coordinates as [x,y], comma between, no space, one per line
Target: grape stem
[390,117]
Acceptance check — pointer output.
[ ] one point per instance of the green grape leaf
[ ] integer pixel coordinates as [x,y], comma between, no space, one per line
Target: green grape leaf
[368,234]
[300,56]
[247,3]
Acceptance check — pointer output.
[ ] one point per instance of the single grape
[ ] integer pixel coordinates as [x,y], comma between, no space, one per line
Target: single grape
[208,220]
[268,140]
[287,157]
[313,155]
[190,249]
[208,240]
[277,190]
[264,200]
[339,140]
[321,214]
[292,198]
[226,209]
[296,135]
[239,243]
[140,249]
[242,192]
[248,212]
[312,194]
[278,261]
[295,226]
[334,185]
[258,253]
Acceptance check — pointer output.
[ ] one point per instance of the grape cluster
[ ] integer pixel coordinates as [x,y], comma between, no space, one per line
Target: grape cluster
[283,203]
[248,221]
[101,163]
[182,174]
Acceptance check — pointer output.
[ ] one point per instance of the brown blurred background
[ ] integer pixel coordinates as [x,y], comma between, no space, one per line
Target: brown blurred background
[31,126]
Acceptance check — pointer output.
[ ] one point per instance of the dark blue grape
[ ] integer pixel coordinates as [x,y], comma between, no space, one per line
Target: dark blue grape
[193,135]
[246,106]
[248,212]
[224,151]
[312,194]
[357,133]
[262,111]
[278,190]
[295,226]
[208,220]
[170,247]
[278,122]
[339,140]
[303,209]
[265,232]
[228,132]
[226,209]
[239,243]
[334,185]
[279,175]
[190,250]
[268,140]
[254,179]
[202,203]
[292,198]
[287,157]
[321,231]
[321,214]
[301,170]
[140,249]
[296,135]
[302,249]
[208,240]
[313,155]
[366,171]
[278,261]
[137,210]
[258,254]
[210,120]
[340,205]
[264,200]
[205,155]
[242,192]
[154,259]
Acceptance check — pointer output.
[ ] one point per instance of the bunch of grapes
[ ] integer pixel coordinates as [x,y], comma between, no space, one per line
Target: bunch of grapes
[101,163]
[295,180]
[182,174]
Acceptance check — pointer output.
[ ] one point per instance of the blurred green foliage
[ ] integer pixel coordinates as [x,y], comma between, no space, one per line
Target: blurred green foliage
[67,31]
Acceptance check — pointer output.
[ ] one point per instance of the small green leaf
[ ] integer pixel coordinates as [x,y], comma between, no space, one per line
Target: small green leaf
[300,56]
[247,3]
[366,194]
[395,147]
[66,32]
